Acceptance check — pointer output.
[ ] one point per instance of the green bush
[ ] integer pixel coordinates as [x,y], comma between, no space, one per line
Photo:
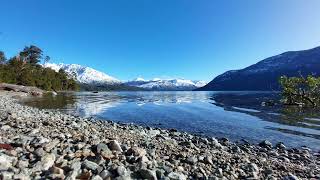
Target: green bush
[301,91]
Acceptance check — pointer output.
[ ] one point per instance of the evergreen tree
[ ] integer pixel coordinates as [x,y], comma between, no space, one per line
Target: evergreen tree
[31,54]
[46,59]
[24,69]
[2,57]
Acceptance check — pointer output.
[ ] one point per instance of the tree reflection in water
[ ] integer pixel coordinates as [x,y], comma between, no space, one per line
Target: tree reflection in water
[49,101]
[250,103]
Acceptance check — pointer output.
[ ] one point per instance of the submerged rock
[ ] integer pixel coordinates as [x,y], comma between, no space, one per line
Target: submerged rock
[265,144]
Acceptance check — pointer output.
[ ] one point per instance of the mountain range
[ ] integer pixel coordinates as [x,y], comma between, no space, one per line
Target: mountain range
[166,84]
[91,79]
[84,75]
[264,75]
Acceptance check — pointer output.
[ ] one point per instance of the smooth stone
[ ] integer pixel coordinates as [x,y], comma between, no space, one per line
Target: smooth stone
[6,162]
[148,174]
[219,172]
[5,127]
[153,133]
[192,160]
[176,176]
[143,159]
[115,146]
[76,167]
[121,170]
[105,174]
[90,165]
[21,176]
[215,143]
[46,162]
[208,160]
[136,151]
[22,164]
[57,173]
[48,147]
[96,177]
[252,167]
[6,175]
[102,147]
[291,177]
[39,152]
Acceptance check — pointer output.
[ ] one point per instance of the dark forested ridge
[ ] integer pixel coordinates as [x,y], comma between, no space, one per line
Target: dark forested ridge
[24,69]
[109,87]
[265,74]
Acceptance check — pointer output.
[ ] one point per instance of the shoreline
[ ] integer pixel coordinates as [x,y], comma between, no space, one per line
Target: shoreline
[49,144]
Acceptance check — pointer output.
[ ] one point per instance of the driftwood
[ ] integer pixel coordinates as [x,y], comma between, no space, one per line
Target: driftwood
[26,89]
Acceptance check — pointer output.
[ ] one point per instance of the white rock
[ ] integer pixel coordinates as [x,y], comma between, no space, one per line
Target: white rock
[6,162]
[46,162]
[5,127]
[96,177]
[105,174]
[176,176]
[6,175]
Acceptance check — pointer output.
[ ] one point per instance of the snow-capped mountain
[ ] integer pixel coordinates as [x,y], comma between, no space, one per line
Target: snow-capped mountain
[83,74]
[165,84]
[264,75]
[91,79]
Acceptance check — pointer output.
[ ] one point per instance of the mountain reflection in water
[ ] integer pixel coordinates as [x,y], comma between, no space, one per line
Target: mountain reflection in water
[235,115]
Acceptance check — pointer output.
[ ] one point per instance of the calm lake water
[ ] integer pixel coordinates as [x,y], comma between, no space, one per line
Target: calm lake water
[235,115]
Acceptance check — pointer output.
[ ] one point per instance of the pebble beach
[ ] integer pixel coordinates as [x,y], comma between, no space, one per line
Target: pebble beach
[48,144]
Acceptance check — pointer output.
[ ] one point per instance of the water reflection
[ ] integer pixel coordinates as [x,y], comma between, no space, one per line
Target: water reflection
[48,101]
[287,115]
[251,104]
[236,115]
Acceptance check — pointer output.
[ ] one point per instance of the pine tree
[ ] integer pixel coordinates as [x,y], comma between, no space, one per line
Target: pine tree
[31,54]
[46,59]
[24,69]
[2,57]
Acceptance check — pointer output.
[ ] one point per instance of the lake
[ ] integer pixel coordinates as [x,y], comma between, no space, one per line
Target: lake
[234,115]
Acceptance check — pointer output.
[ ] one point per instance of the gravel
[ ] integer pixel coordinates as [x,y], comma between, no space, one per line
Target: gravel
[47,144]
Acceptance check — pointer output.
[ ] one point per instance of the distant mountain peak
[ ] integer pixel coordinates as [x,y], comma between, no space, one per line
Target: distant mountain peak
[156,79]
[264,74]
[139,79]
[83,74]
[166,84]
[90,76]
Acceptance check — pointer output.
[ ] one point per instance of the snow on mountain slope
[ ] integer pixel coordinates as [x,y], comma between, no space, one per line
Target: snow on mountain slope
[265,74]
[85,75]
[166,84]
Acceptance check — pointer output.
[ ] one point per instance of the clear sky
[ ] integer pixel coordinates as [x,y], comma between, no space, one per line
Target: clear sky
[192,39]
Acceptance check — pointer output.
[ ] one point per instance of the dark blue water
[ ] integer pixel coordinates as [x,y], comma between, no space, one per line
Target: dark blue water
[235,115]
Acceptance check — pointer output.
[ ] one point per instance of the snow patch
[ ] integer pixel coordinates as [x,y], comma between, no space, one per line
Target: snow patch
[83,74]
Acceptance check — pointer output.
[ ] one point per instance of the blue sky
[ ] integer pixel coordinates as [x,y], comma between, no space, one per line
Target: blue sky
[165,38]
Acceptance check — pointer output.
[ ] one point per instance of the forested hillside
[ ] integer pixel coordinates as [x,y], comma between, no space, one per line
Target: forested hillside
[24,69]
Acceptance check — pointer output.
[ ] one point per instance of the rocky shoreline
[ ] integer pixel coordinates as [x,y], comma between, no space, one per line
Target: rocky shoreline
[46,144]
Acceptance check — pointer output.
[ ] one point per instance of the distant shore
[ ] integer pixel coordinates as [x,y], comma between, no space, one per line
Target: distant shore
[48,144]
